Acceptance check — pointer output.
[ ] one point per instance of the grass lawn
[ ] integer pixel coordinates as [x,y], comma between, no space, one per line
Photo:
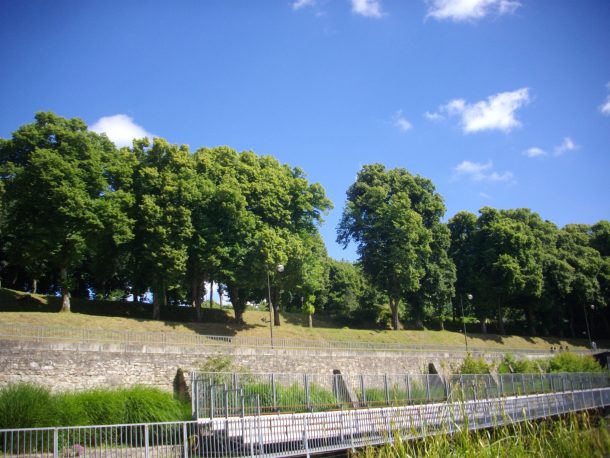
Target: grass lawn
[257,325]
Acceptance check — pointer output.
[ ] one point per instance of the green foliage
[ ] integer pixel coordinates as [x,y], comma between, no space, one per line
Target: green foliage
[571,362]
[572,436]
[510,364]
[29,406]
[472,365]
[390,215]
[25,406]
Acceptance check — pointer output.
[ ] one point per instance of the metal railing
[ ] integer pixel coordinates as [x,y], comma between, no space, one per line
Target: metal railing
[291,434]
[216,394]
[165,339]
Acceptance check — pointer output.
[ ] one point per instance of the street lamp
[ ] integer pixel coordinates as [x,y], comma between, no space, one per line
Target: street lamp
[587,323]
[469,297]
[280,269]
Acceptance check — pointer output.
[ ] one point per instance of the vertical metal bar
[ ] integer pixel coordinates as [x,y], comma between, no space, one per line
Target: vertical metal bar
[307,396]
[185,440]
[427,386]
[146,450]
[385,389]
[408,382]
[56,443]
[274,392]
[362,390]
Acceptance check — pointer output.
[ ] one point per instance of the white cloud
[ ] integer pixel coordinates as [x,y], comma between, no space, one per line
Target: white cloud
[433,116]
[605,107]
[298,4]
[401,122]
[120,128]
[469,10]
[478,171]
[566,145]
[534,152]
[367,8]
[495,113]
[484,195]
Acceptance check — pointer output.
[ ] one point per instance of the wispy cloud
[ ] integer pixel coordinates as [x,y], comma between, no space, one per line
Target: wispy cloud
[120,128]
[605,107]
[298,4]
[479,171]
[433,116]
[498,112]
[534,152]
[367,8]
[566,145]
[484,195]
[401,122]
[469,10]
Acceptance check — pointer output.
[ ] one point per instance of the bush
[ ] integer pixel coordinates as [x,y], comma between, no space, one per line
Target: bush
[472,365]
[26,406]
[571,362]
[510,364]
[29,406]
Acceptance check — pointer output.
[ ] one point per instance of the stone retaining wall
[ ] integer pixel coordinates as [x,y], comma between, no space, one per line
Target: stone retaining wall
[78,366]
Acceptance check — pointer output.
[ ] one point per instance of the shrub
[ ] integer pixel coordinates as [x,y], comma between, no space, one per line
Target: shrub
[510,364]
[472,365]
[571,362]
[29,406]
[26,406]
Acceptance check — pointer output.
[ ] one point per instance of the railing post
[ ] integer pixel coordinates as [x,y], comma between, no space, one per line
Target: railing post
[427,386]
[307,394]
[385,389]
[185,440]
[273,392]
[305,441]
[55,443]
[146,448]
[501,379]
[362,390]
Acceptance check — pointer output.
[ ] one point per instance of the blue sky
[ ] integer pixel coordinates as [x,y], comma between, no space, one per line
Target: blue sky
[500,102]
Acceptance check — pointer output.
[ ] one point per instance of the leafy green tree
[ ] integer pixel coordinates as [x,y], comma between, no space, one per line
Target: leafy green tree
[389,214]
[164,188]
[60,194]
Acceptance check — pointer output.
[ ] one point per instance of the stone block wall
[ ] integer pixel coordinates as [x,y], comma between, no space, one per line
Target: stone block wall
[77,366]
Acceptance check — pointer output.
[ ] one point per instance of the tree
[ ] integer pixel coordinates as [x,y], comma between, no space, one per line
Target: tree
[60,194]
[389,215]
[164,188]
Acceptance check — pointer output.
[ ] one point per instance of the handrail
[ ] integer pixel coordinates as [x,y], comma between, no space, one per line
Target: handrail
[125,337]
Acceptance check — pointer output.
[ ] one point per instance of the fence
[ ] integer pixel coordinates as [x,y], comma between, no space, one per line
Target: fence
[217,394]
[84,335]
[290,434]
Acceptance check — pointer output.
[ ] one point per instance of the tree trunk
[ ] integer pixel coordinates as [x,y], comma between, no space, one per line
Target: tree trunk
[159,300]
[530,319]
[220,293]
[34,286]
[571,323]
[65,294]
[483,321]
[211,294]
[239,305]
[136,295]
[310,316]
[275,300]
[441,323]
[197,292]
[500,319]
[394,308]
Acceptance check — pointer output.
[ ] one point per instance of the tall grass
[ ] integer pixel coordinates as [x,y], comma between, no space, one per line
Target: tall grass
[30,406]
[575,435]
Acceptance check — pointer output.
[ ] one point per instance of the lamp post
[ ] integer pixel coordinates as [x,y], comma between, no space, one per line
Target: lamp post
[469,296]
[280,269]
[587,323]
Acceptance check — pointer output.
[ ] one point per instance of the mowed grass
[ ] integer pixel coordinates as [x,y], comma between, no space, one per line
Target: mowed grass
[293,326]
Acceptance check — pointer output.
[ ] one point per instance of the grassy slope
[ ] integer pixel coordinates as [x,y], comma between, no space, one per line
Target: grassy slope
[257,325]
